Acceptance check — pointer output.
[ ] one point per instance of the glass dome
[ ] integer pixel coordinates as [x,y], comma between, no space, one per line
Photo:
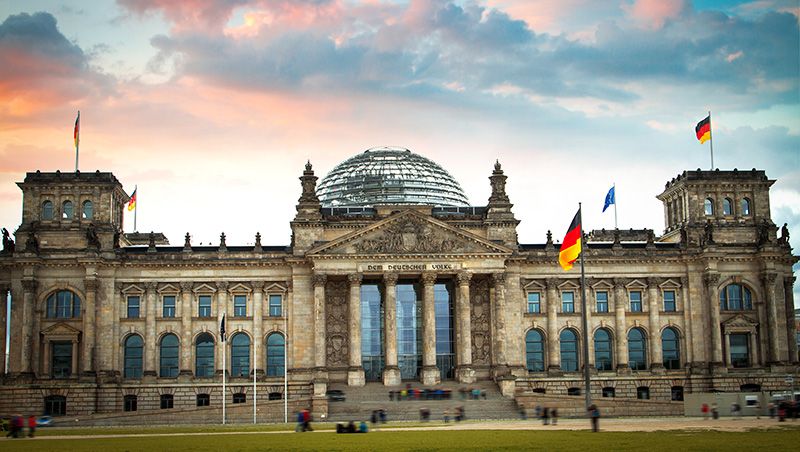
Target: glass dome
[389,175]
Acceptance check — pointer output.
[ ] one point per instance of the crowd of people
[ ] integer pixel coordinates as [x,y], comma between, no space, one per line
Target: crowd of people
[410,393]
[18,424]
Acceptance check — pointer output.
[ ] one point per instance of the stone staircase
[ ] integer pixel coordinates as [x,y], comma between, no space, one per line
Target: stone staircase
[361,401]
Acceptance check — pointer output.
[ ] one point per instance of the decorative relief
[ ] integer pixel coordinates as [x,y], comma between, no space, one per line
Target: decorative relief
[464,278]
[480,320]
[222,286]
[428,278]
[498,279]
[354,278]
[551,283]
[338,341]
[319,279]
[151,286]
[258,285]
[390,279]
[412,235]
[186,286]
[711,279]
[619,283]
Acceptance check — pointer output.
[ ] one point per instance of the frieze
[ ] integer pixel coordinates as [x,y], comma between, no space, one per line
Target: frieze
[411,235]
[409,267]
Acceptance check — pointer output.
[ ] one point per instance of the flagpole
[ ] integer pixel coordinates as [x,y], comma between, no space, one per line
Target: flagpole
[135,207]
[224,367]
[77,140]
[711,140]
[584,321]
[285,370]
[615,206]
[255,394]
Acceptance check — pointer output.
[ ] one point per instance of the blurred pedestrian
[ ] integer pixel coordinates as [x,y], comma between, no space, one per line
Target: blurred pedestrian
[31,425]
[545,416]
[594,415]
[554,415]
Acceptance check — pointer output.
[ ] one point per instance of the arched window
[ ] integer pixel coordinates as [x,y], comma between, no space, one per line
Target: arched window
[735,297]
[708,207]
[603,359]
[47,210]
[240,355]
[671,348]
[727,206]
[88,210]
[130,402]
[276,351]
[63,305]
[745,210]
[55,405]
[67,210]
[134,351]
[170,347]
[569,350]
[534,351]
[204,356]
[637,350]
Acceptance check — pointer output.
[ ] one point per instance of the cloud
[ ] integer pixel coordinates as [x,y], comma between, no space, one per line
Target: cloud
[653,13]
[43,67]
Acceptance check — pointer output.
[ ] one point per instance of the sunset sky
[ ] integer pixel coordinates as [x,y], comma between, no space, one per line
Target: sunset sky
[213,107]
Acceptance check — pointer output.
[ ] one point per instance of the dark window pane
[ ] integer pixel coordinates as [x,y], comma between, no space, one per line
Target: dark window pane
[204,356]
[134,351]
[240,306]
[204,306]
[534,351]
[169,356]
[275,355]
[240,355]
[169,306]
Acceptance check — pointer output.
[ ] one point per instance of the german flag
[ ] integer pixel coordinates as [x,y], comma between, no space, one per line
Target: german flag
[76,133]
[703,130]
[132,202]
[571,246]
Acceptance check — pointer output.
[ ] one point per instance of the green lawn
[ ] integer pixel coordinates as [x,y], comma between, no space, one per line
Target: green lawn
[775,439]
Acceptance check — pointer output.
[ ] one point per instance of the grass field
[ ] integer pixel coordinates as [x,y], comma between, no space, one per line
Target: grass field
[422,440]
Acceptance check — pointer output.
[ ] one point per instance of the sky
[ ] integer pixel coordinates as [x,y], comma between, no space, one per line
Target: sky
[212,108]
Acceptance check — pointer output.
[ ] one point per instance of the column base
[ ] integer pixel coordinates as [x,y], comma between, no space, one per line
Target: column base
[185,376]
[320,388]
[657,368]
[554,371]
[391,376]
[431,375]
[465,374]
[623,369]
[717,368]
[519,371]
[500,370]
[355,376]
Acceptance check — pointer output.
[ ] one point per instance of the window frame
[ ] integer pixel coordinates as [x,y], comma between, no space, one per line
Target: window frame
[740,362]
[745,207]
[47,212]
[708,207]
[534,306]
[727,206]
[167,401]
[55,405]
[133,366]
[172,371]
[744,300]
[240,305]
[169,312]
[275,370]
[643,393]
[133,308]
[240,354]
[67,210]
[671,363]
[639,364]
[87,210]
[609,392]
[208,344]
[601,307]
[532,355]
[239,397]
[637,306]
[563,352]
[271,307]
[674,302]
[203,399]
[609,351]
[130,403]
[201,307]
[567,306]
[65,370]
[57,307]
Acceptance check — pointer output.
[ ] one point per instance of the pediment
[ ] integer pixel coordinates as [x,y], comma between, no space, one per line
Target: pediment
[133,289]
[168,288]
[409,233]
[61,329]
[739,321]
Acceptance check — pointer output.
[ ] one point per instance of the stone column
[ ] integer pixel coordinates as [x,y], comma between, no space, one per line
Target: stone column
[621,334]
[88,327]
[259,364]
[36,320]
[686,305]
[727,356]
[553,357]
[464,371]
[150,329]
[116,361]
[4,290]
[355,373]
[319,321]
[791,331]
[772,318]
[500,360]
[391,373]
[46,359]
[222,309]
[430,373]
[187,335]
[653,311]
[28,301]
[711,280]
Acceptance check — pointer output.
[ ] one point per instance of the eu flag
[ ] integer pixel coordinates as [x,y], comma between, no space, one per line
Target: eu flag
[609,199]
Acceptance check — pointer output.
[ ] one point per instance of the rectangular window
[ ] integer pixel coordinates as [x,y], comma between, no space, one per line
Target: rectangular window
[602,301]
[61,359]
[669,301]
[166,401]
[636,301]
[567,302]
[534,303]
[204,306]
[133,307]
[275,307]
[130,403]
[169,306]
[740,350]
[240,305]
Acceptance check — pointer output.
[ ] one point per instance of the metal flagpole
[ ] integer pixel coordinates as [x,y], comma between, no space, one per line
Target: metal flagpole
[615,206]
[224,367]
[255,394]
[77,139]
[711,140]
[584,321]
[285,373]
[136,206]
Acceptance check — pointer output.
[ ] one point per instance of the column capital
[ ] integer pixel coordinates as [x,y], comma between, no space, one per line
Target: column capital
[684,281]
[619,283]
[90,285]
[257,285]
[118,287]
[354,278]
[319,279]
[769,278]
[551,283]
[29,285]
[150,286]
[428,278]
[711,279]
[222,285]
[653,282]
[186,286]
[464,278]
[390,279]
[498,279]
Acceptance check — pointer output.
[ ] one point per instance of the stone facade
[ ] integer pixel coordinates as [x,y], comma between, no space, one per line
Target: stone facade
[100,319]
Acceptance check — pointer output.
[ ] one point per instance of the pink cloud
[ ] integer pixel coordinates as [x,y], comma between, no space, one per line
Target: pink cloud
[653,13]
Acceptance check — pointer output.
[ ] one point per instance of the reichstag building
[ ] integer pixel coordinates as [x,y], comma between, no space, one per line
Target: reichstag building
[391,276]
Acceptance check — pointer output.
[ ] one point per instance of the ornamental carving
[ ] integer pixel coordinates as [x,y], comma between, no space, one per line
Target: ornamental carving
[711,279]
[619,283]
[354,279]
[186,286]
[428,278]
[411,235]
[319,279]
[337,342]
[29,285]
[498,279]
[480,319]
[464,278]
[551,283]
[390,279]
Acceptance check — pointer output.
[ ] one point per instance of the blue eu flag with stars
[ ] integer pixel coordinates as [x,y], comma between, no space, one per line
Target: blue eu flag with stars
[609,199]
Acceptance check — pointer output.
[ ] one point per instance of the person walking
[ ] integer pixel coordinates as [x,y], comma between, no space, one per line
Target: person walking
[31,426]
[554,415]
[704,409]
[594,415]
[545,416]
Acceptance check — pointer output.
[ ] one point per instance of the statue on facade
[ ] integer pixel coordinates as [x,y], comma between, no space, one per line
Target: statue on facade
[763,232]
[187,242]
[32,244]
[117,237]
[549,237]
[708,233]
[784,233]
[8,242]
[684,236]
[92,240]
